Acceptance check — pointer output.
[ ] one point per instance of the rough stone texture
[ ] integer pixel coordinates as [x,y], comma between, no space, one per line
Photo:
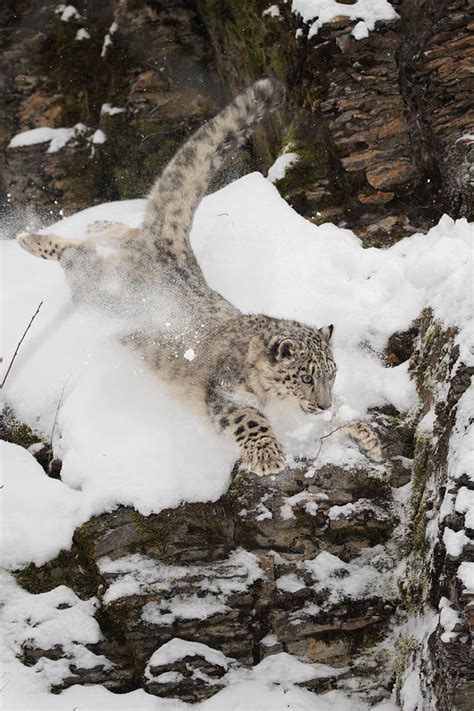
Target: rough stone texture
[238,575]
[442,378]
[381,124]
[191,679]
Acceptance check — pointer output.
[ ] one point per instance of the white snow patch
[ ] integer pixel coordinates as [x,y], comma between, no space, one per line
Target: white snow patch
[139,575]
[67,12]
[311,507]
[108,38]
[345,511]
[319,12]
[177,649]
[82,34]
[286,509]
[270,640]
[56,137]
[39,514]
[189,607]
[42,621]
[360,31]
[466,576]
[349,580]
[454,542]
[449,620]
[272,11]
[263,512]
[290,583]
[98,137]
[465,505]
[111,110]
[426,424]
[278,170]
[189,354]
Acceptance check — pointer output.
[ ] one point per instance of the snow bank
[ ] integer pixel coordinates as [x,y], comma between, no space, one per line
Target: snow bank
[278,170]
[39,514]
[122,436]
[367,11]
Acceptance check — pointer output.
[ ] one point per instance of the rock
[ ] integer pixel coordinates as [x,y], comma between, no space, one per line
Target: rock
[186,670]
[374,198]
[390,174]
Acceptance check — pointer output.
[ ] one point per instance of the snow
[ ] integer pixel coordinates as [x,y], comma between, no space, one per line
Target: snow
[98,137]
[272,11]
[290,583]
[270,640]
[465,505]
[111,110]
[139,575]
[345,581]
[67,12]
[56,137]
[345,511]
[82,34]
[108,38]
[39,514]
[466,576]
[454,542]
[177,649]
[368,11]
[189,354]
[104,403]
[44,620]
[190,607]
[107,402]
[278,170]
[448,620]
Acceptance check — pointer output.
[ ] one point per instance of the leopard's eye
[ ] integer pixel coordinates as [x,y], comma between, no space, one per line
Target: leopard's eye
[307,379]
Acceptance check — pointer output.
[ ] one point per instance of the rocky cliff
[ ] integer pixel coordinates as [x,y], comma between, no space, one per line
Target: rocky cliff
[381,124]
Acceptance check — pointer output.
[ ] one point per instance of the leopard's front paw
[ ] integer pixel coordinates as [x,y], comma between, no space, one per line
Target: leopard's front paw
[367,440]
[263,458]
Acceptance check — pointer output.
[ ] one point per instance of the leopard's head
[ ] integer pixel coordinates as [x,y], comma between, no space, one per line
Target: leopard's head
[303,366]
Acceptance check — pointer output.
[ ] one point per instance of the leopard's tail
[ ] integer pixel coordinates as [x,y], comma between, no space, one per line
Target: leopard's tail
[178,191]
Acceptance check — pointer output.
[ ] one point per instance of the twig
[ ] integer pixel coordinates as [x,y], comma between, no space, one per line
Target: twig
[19,344]
[324,437]
[55,420]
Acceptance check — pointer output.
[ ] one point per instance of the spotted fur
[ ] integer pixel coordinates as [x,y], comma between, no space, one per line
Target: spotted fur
[366,439]
[241,361]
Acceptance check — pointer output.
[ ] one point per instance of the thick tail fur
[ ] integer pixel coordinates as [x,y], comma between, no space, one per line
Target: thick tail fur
[183,183]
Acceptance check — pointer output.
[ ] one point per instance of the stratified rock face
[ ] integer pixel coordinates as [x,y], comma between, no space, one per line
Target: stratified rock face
[441,541]
[142,74]
[300,563]
[437,82]
[382,125]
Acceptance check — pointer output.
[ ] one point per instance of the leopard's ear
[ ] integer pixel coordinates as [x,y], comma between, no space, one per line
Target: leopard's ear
[46,246]
[283,348]
[326,332]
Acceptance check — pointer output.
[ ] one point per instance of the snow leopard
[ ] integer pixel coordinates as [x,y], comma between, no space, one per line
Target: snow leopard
[234,362]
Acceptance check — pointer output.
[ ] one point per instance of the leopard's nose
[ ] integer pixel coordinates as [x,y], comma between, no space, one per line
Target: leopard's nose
[323,406]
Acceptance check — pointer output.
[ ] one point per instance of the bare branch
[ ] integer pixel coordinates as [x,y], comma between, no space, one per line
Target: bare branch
[324,437]
[19,344]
